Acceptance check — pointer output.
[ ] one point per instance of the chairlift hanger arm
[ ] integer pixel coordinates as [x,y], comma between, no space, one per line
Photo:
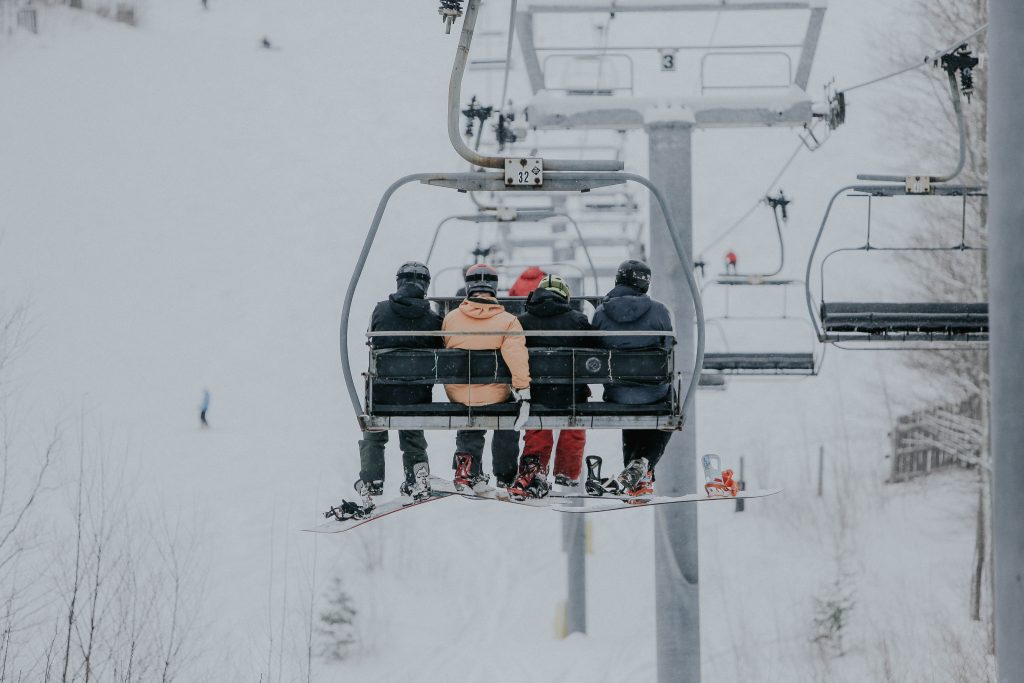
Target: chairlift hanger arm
[961,125]
[454,96]
[521,215]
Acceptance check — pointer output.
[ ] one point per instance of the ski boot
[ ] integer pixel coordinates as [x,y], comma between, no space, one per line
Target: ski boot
[417,482]
[348,510]
[530,482]
[719,482]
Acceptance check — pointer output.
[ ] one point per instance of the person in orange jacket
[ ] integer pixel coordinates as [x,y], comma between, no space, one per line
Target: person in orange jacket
[481,312]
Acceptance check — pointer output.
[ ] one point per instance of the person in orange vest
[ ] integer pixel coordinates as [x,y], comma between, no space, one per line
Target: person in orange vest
[481,312]
[730,262]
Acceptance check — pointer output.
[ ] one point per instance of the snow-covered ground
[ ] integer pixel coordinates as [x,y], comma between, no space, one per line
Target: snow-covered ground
[180,210]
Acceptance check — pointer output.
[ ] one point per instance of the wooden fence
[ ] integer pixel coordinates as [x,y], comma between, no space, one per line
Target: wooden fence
[942,436]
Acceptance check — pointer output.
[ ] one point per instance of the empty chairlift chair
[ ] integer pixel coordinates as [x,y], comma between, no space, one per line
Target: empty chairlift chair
[860,323]
[798,362]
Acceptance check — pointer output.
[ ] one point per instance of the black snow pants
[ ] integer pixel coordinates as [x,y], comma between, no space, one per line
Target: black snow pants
[644,443]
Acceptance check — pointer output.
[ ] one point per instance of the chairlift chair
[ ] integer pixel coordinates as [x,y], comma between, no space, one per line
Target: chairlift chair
[760,363]
[523,175]
[579,366]
[887,324]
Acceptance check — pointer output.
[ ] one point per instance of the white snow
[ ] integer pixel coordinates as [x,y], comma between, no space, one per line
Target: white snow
[181,209]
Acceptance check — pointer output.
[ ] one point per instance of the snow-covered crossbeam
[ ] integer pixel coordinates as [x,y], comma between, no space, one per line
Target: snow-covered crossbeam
[783,107]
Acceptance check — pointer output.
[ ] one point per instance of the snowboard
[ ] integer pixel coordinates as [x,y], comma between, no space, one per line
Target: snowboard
[604,504]
[383,509]
[484,492]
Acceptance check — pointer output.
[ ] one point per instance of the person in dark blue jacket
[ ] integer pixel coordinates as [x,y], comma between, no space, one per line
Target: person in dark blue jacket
[405,310]
[628,307]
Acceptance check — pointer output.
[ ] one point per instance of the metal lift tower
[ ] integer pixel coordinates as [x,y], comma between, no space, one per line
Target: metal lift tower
[1006,356]
[669,119]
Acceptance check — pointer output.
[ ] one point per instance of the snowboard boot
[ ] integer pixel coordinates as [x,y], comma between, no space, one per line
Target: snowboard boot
[417,482]
[478,482]
[539,487]
[529,469]
[630,481]
[565,480]
[645,487]
[463,477]
[368,489]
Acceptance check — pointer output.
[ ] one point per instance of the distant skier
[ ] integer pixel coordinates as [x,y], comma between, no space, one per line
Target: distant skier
[481,312]
[628,307]
[730,262]
[203,407]
[547,308]
[266,43]
[405,310]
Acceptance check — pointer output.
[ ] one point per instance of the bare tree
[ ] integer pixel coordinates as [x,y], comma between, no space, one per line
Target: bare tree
[953,375]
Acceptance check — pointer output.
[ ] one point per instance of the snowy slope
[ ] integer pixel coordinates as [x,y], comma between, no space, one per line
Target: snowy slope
[181,209]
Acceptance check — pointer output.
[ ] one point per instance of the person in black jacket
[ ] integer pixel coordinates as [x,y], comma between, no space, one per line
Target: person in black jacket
[547,308]
[405,310]
[628,307]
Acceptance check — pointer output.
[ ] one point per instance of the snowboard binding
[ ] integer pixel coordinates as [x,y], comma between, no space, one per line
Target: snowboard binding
[349,510]
[718,482]
[594,484]
[531,481]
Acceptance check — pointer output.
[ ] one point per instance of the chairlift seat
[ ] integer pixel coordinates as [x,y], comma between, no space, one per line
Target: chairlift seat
[872,318]
[760,363]
[547,366]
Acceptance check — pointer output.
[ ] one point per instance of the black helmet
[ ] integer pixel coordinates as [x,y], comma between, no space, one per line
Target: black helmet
[635,274]
[414,272]
[481,277]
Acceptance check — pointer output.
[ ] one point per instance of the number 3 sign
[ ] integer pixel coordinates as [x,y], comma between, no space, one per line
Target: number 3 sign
[668,60]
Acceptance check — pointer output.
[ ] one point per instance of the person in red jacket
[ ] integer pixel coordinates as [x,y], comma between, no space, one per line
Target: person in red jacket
[730,262]
[527,282]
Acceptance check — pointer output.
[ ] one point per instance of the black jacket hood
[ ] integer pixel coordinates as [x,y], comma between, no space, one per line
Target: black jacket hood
[625,304]
[546,304]
[408,302]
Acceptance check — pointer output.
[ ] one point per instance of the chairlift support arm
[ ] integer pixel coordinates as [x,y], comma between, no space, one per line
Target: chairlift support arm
[454,109]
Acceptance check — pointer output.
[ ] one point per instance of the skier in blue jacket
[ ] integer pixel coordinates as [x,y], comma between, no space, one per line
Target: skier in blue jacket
[628,307]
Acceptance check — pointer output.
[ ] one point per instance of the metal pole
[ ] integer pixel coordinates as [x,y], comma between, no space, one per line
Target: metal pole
[740,502]
[821,470]
[575,543]
[1006,353]
[677,595]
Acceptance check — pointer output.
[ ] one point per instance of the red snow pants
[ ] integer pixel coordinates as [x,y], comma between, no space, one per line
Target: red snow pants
[568,453]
